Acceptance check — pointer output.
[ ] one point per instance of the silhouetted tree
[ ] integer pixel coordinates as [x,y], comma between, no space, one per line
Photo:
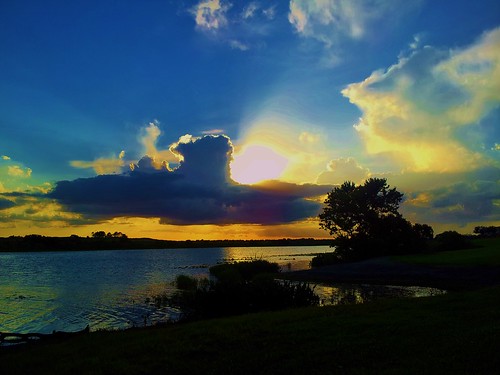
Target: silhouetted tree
[99,234]
[491,231]
[364,221]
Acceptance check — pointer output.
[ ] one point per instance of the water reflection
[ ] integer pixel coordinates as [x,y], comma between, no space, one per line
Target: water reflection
[361,293]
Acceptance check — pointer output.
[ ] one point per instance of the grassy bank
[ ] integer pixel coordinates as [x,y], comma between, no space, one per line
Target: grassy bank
[455,333]
[486,252]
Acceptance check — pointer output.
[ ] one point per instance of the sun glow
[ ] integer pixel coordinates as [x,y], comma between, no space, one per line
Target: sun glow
[256,163]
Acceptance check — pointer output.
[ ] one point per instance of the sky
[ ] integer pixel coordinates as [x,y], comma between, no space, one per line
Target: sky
[218,119]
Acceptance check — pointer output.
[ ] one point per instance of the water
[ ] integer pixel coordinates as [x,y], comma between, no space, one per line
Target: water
[66,291]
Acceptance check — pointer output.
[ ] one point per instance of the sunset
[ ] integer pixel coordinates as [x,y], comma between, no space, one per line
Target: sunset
[169,161]
[227,95]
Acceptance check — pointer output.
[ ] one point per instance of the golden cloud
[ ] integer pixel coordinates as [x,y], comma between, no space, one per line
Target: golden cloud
[413,111]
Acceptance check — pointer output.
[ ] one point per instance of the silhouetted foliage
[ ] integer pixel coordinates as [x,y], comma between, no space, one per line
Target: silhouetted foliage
[365,222]
[238,288]
[452,240]
[99,234]
[243,271]
[490,231]
[184,282]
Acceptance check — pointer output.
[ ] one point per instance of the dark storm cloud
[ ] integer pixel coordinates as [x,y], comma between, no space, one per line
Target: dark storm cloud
[475,200]
[200,191]
[5,203]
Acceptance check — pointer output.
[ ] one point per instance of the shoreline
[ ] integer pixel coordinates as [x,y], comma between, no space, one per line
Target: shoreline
[36,243]
[386,271]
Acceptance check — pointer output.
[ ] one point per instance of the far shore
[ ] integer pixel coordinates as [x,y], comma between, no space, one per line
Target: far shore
[32,243]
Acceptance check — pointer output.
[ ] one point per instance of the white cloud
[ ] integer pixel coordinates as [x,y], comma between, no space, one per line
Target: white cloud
[236,44]
[414,111]
[249,10]
[211,14]
[329,21]
[270,12]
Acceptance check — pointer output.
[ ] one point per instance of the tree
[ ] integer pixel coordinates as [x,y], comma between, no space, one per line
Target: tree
[364,221]
[99,234]
[490,231]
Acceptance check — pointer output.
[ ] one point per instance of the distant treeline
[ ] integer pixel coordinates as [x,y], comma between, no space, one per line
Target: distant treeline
[34,242]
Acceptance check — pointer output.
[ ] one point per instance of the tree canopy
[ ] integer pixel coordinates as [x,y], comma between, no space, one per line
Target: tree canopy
[364,221]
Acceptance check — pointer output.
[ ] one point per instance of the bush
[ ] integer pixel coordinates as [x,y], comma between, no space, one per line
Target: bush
[243,271]
[325,259]
[240,288]
[184,282]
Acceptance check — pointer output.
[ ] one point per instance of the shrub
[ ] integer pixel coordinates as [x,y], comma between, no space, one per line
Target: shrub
[243,271]
[184,282]
[239,288]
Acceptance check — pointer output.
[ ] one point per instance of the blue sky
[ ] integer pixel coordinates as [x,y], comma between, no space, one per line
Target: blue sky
[306,93]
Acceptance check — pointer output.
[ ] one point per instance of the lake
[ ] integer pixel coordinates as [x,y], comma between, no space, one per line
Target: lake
[112,289]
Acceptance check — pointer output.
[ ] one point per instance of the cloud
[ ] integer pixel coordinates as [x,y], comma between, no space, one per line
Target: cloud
[102,165]
[239,25]
[5,157]
[235,44]
[210,15]
[199,191]
[148,138]
[35,209]
[472,200]
[270,12]
[6,203]
[343,169]
[155,157]
[329,21]
[249,10]
[212,131]
[423,112]
[309,138]
[17,171]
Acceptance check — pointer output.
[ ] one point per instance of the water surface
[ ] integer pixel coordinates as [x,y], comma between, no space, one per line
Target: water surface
[46,291]
[113,289]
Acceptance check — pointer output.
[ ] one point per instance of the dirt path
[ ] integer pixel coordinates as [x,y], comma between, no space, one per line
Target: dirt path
[390,272]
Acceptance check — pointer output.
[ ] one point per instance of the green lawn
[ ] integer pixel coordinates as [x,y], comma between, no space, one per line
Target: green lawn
[485,253]
[457,333]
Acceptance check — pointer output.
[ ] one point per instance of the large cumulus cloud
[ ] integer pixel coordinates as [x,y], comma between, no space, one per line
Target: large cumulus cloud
[199,191]
[431,110]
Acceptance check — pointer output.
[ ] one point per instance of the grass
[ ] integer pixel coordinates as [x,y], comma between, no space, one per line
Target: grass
[458,333]
[485,253]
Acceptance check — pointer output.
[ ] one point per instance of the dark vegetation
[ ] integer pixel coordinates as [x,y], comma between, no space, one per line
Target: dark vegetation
[456,333]
[119,241]
[238,288]
[365,223]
